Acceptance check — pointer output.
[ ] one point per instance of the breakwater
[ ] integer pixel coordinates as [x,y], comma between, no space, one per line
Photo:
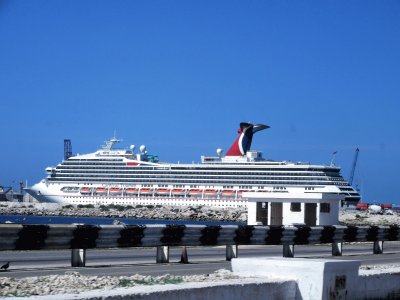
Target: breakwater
[167,213]
[171,213]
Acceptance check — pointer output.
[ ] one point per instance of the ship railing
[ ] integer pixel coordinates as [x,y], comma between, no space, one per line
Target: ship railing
[80,238]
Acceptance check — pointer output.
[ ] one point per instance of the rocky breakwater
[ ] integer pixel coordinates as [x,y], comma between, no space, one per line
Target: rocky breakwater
[364,218]
[190,213]
[197,213]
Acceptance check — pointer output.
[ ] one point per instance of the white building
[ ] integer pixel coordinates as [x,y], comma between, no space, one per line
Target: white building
[310,206]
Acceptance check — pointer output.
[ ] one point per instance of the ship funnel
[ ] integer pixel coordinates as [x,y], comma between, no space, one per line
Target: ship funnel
[243,143]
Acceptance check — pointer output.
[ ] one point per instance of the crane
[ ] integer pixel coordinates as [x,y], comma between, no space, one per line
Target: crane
[353,168]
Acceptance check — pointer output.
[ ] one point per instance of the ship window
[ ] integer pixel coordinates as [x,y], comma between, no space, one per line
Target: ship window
[295,206]
[325,207]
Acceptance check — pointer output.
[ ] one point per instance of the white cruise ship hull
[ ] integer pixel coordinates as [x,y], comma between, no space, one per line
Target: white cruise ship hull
[123,177]
[51,193]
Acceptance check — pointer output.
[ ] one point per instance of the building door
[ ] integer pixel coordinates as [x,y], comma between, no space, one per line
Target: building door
[310,214]
[276,213]
[262,212]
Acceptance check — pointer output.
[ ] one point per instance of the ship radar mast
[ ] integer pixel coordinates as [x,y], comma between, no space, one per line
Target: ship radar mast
[110,143]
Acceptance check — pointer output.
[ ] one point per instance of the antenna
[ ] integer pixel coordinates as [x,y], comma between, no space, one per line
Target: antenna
[110,143]
[333,158]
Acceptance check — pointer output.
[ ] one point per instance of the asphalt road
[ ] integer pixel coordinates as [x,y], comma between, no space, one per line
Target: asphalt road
[202,260]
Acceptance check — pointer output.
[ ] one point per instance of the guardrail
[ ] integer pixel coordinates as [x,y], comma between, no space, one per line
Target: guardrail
[82,237]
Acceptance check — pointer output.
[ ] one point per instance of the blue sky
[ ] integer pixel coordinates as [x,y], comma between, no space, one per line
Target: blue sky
[179,77]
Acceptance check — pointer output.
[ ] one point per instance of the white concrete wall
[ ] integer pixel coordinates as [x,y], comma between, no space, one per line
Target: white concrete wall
[316,278]
[330,218]
[290,217]
[325,278]
[252,213]
[379,285]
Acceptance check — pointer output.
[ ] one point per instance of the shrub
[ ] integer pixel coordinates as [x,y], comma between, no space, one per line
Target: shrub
[120,207]
[85,206]
[104,208]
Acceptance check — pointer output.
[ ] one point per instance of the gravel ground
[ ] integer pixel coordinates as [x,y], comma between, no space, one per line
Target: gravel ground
[73,283]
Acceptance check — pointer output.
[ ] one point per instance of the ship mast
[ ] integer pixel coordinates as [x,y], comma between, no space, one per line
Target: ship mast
[110,143]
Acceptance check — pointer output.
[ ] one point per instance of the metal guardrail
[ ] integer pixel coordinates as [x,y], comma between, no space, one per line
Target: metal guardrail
[82,237]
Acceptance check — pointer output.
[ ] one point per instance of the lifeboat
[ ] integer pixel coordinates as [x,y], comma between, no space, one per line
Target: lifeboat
[163,191]
[146,191]
[210,192]
[195,192]
[228,193]
[86,190]
[240,192]
[178,191]
[131,191]
[101,190]
[115,190]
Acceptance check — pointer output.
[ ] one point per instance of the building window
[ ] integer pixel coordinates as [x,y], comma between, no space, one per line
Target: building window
[295,206]
[325,207]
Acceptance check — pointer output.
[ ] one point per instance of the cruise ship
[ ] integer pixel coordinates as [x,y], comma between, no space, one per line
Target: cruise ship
[128,177]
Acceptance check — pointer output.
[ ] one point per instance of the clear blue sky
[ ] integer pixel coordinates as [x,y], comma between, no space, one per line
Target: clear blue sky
[179,76]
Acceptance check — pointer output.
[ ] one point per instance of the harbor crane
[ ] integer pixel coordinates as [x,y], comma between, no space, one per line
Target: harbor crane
[353,168]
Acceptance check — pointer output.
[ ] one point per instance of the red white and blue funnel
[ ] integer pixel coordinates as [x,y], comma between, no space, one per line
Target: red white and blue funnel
[243,142]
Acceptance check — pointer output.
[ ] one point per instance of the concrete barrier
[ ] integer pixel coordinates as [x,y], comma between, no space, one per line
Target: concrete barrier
[382,285]
[324,278]
[233,289]
[316,278]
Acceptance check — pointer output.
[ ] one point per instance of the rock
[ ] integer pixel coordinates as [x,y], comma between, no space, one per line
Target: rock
[166,212]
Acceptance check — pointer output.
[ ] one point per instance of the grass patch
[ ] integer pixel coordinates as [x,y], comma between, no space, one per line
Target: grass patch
[125,282]
[168,279]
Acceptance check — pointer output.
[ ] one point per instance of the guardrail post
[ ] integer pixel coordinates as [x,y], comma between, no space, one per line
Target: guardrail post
[162,254]
[231,252]
[288,250]
[337,249]
[378,247]
[184,256]
[78,257]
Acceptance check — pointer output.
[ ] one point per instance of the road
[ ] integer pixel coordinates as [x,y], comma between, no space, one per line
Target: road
[202,260]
